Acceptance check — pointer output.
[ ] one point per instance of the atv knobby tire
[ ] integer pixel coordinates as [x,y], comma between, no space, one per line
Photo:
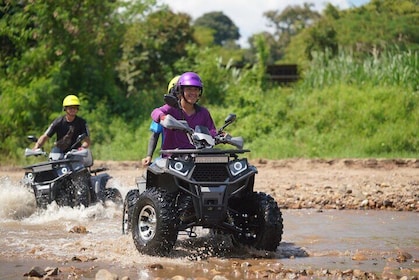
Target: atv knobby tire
[81,189]
[113,195]
[129,203]
[154,222]
[63,193]
[260,216]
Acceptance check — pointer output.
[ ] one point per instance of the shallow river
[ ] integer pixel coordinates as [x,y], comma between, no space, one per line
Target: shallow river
[335,239]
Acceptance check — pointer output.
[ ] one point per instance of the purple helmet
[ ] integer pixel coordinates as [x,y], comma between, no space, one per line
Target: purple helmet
[190,79]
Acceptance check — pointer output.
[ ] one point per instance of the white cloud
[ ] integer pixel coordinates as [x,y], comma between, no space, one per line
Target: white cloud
[247,15]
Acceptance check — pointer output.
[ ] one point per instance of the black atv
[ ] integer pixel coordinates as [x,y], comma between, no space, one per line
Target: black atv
[68,178]
[205,186]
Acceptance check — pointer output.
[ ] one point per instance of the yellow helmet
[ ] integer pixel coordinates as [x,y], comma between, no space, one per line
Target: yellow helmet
[172,85]
[71,100]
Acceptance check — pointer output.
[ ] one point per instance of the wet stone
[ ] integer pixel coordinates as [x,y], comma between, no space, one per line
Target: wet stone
[104,274]
[403,256]
[52,271]
[35,271]
[79,229]
[156,266]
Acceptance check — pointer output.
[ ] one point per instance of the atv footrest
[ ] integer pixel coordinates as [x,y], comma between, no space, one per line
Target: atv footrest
[94,171]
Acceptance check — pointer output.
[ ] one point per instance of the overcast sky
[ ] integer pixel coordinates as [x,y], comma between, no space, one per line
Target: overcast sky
[247,15]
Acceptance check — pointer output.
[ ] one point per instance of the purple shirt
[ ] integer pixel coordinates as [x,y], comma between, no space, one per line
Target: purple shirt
[176,139]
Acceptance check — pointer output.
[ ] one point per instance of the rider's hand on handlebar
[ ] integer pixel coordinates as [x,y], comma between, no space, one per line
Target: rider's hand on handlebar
[222,137]
[162,117]
[146,161]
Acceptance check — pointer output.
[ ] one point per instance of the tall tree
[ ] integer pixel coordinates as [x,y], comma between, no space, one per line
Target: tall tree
[291,21]
[150,49]
[384,24]
[54,47]
[275,50]
[365,30]
[224,27]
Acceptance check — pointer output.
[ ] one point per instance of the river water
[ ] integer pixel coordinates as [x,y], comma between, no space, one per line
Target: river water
[335,239]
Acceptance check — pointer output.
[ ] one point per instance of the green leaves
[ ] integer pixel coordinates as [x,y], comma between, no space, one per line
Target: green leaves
[224,28]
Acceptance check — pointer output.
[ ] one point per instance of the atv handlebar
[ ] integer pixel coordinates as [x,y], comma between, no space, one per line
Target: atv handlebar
[39,152]
[227,139]
[36,152]
[197,137]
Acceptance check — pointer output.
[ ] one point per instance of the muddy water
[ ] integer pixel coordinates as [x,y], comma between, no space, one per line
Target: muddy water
[365,240]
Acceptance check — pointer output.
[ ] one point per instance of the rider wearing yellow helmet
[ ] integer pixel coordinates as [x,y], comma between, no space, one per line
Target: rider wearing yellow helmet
[71,100]
[156,128]
[67,127]
[171,87]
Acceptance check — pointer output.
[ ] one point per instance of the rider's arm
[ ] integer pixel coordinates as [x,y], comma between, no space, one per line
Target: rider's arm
[152,143]
[159,112]
[51,130]
[86,142]
[41,141]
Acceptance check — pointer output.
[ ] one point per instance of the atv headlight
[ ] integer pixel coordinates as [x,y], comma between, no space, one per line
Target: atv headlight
[237,166]
[29,178]
[180,167]
[62,170]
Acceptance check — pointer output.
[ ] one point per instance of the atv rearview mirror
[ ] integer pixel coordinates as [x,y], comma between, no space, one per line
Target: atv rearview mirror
[78,140]
[81,137]
[230,118]
[32,138]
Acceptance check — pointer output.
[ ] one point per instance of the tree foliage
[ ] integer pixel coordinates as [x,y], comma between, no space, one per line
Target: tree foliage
[369,29]
[150,49]
[53,48]
[286,23]
[118,56]
[384,23]
[276,50]
[291,21]
[224,28]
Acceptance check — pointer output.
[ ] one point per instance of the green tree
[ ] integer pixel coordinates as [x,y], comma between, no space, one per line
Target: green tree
[384,24]
[322,38]
[224,27]
[276,50]
[365,30]
[55,48]
[150,48]
[204,36]
[291,21]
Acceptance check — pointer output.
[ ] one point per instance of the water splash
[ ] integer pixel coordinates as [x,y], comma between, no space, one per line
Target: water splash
[16,200]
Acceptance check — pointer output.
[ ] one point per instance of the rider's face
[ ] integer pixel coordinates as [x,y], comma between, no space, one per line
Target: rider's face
[72,110]
[191,94]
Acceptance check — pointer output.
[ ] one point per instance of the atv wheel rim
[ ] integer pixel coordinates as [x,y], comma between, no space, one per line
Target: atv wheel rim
[147,223]
[125,228]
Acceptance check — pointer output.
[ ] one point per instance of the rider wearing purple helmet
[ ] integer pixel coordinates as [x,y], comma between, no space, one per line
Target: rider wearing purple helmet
[189,90]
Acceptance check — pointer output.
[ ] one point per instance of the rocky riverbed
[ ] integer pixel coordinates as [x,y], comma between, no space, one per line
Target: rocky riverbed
[317,185]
